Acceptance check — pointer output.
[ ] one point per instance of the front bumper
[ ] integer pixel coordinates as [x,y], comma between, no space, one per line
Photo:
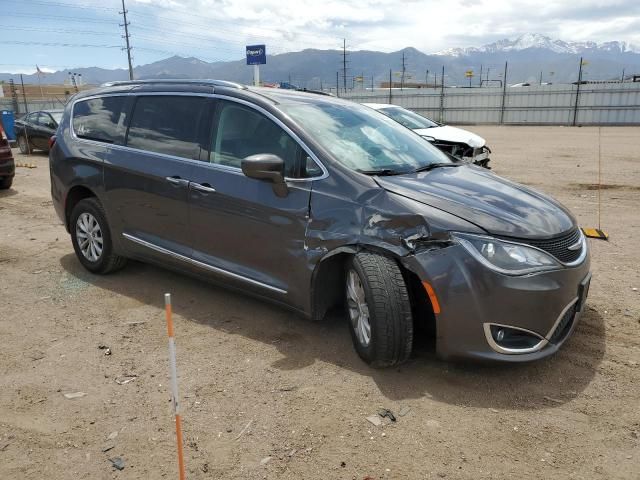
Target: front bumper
[471,297]
[478,156]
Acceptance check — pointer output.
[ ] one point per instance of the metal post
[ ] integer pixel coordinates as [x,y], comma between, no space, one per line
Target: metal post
[575,107]
[389,86]
[256,75]
[504,94]
[337,84]
[442,96]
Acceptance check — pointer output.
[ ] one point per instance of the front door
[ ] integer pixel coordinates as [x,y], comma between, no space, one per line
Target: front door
[238,224]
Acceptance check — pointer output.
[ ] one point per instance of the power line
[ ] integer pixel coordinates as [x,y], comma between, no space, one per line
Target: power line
[219,24]
[126,38]
[59,44]
[55,30]
[61,17]
[68,5]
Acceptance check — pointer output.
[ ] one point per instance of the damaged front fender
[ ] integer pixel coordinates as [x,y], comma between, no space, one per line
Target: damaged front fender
[375,220]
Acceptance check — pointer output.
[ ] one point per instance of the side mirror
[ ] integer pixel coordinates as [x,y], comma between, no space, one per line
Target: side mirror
[266,166]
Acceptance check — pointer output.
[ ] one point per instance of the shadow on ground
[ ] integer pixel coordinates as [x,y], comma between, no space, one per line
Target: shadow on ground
[302,342]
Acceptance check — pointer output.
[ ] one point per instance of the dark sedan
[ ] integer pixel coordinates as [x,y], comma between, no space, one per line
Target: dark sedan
[34,130]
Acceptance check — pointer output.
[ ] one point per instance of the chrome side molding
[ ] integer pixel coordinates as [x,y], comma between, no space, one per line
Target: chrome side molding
[202,265]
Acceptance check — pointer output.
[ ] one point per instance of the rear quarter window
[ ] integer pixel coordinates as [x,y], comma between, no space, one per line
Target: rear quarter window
[100,119]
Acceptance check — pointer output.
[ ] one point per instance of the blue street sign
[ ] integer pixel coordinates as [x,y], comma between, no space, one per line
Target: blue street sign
[256,55]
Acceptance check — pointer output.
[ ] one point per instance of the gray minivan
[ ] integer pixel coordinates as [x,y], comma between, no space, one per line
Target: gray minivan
[318,204]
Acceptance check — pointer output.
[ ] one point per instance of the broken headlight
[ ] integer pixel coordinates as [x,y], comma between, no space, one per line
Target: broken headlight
[506,257]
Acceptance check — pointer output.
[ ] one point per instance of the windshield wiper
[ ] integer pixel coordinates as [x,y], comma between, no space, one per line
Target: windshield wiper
[382,172]
[431,166]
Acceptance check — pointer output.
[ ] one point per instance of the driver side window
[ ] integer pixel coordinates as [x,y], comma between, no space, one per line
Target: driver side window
[242,131]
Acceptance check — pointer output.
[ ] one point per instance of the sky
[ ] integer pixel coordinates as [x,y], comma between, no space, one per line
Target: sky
[63,34]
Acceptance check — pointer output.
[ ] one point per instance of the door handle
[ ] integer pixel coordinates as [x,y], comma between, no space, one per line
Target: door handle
[177,180]
[205,188]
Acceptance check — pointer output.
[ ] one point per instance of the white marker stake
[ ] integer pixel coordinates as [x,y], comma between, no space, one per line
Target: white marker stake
[174,382]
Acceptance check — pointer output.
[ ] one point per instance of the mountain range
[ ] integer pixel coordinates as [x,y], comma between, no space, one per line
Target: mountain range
[530,57]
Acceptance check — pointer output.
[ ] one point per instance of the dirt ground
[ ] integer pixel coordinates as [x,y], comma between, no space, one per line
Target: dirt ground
[266,394]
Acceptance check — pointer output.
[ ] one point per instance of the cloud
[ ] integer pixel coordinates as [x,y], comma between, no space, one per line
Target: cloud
[387,25]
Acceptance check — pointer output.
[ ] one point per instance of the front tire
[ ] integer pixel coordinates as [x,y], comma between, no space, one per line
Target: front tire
[379,310]
[5,183]
[23,145]
[91,238]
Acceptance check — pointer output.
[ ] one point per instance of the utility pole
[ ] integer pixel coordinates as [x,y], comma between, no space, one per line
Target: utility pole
[480,74]
[575,108]
[622,77]
[126,38]
[337,84]
[24,95]
[344,63]
[504,94]
[72,81]
[540,78]
[389,86]
[404,69]
[426,79]
[442,96]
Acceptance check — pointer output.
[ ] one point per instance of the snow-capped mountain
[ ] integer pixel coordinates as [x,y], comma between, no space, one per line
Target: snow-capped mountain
[541,42]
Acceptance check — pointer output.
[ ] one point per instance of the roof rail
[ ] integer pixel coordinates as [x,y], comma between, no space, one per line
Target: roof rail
[214,83]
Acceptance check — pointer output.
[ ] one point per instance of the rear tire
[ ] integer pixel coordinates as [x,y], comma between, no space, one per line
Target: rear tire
[91,238]
[23,145]
[377,295]
[5,183]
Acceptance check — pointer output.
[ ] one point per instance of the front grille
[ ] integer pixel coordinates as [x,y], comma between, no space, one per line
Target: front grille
[564,326]
[558,247]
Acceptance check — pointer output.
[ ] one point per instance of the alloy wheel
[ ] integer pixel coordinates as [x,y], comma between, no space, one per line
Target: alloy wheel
[22,144]
[358,308]
[89,237]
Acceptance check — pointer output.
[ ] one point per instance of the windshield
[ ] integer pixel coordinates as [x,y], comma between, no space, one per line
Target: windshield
[57,116]
[408,118]
[362,139]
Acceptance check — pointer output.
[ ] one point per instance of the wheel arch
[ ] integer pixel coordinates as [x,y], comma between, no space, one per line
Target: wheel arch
[74,195]
[327,289]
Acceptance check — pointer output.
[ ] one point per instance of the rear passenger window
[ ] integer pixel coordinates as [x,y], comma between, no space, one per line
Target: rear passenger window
[101,119]
[242,131]
[166,124]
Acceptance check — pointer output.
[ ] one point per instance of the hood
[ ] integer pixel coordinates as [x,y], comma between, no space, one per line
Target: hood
[452,134]
[497,205]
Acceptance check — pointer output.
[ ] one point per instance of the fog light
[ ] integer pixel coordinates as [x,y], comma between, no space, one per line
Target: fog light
[514,338]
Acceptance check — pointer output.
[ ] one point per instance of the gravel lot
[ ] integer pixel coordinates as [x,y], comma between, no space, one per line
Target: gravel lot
[266,394]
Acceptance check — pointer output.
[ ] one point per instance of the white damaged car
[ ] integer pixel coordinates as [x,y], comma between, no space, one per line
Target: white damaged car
[462,144]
